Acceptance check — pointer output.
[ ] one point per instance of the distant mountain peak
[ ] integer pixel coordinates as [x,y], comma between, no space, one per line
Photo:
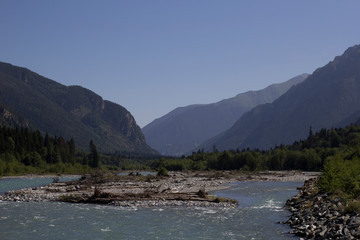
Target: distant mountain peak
[185,128]
[327,98]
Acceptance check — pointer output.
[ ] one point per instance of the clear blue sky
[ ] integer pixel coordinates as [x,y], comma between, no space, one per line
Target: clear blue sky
[152,56]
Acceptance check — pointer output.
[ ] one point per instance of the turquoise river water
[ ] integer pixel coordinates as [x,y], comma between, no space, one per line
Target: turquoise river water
[257,217]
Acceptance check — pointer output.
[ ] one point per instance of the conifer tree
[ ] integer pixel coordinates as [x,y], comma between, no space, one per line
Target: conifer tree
[94,160]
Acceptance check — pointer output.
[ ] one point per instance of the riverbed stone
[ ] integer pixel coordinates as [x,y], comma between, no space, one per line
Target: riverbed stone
[320,216]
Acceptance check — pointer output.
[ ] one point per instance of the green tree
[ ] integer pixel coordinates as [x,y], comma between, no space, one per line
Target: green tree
[340,174]
[33,159]
[94,160]
[277,159]
[10,145]
[72,150]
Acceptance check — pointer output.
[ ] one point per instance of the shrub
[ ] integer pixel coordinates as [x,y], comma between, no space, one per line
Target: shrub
[353,207]
[201,193]
[340,174]
[162,172]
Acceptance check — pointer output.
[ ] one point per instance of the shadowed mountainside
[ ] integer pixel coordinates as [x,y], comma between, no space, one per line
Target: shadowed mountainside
[185,128]
[69,111]
[328,98]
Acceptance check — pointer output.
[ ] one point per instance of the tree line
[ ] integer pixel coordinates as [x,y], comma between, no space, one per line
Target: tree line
[308,155]
[335,151]
[25,151]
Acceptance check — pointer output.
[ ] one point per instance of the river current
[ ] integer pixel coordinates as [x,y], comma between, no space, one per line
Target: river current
[257,217]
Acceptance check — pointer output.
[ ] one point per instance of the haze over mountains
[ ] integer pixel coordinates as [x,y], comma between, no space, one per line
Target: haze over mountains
[330,97]
[185,128]
[30,100]
[279,114]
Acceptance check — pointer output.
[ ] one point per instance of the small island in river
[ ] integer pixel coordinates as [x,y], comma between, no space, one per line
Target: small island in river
[136,190]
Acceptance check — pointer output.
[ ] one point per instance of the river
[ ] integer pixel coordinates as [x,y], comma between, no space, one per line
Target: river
[257,217]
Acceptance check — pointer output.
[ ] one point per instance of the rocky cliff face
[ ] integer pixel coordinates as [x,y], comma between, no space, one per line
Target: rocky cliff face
[11,119]
[70,111]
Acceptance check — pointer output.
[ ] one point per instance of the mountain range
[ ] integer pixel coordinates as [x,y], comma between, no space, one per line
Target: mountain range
[279,114]
[30,100]
[329,97]
[185,128]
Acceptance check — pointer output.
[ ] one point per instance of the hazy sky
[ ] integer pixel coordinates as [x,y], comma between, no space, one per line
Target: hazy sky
[152,56]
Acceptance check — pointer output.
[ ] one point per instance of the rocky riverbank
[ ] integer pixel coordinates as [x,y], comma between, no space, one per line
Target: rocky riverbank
[319,215]
[180,188]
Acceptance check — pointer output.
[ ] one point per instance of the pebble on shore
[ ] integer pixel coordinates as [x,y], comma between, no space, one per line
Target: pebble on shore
[318,215]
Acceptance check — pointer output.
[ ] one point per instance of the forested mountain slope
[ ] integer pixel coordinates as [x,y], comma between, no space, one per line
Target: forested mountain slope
[69,111]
